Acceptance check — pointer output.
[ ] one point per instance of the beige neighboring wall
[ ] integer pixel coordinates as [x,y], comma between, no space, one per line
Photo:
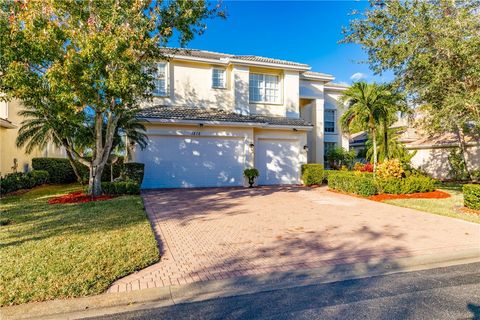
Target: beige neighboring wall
[434,160]
[8,148]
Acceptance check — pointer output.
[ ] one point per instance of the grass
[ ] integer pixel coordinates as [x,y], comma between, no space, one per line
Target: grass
[69,250]
[446,207]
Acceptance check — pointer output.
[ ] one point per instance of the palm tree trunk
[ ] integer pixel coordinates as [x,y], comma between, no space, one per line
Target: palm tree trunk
[374,140]
[385,140]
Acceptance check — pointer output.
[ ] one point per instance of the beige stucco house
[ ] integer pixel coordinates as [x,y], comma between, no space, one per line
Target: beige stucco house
[10,122]
[215,114]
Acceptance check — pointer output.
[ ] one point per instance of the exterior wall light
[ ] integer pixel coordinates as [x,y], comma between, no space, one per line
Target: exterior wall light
[295,129]
[305,147]
[200,125]
[252,147]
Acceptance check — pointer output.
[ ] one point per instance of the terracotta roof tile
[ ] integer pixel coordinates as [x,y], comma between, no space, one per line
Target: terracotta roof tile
[203,114]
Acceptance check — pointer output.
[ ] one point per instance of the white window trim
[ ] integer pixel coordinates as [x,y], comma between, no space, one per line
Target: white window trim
[224,85]
[335,131]
[280,89]
[167,81]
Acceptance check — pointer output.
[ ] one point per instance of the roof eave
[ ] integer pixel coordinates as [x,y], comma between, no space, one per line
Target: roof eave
[224,123]
[268,64]
[325,78]
[4,123]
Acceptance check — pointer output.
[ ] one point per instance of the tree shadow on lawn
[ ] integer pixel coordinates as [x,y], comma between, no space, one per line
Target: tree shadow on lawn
[36,220]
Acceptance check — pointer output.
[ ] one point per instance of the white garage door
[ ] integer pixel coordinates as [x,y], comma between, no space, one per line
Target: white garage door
[190,161]
[278,161]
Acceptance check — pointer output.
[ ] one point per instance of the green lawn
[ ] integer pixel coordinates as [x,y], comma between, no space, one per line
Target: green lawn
[69,250]
[446,207]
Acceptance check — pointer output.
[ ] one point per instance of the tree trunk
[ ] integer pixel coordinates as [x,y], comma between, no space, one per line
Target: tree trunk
[385,140]
[374,140]
[95,181]
[74,167]
[463,150]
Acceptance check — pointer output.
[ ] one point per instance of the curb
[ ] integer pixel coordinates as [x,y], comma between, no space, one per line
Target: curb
[112,303]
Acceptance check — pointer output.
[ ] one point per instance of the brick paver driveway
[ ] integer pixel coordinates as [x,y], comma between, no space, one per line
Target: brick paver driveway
[208,234]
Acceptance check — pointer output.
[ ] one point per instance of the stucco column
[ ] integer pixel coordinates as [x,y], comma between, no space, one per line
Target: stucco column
[319,131]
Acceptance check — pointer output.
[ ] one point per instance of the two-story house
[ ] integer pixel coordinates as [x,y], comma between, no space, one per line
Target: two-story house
[215,114]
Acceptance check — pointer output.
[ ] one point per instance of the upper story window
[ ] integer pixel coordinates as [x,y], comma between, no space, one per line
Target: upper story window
[329,121]
[161,80]
[264,88]
[218,78]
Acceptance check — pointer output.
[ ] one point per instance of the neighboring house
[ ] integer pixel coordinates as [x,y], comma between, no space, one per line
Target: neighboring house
[214,114]
[431,152]
[10,122]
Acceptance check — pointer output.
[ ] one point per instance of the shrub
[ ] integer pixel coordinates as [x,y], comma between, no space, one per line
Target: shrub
[19,180]
[133,171]
[471,196]
[312,174]
[353,182]
[338,157]
[410,184]
[390,169]
[59,169]
[367,167]
[121,187]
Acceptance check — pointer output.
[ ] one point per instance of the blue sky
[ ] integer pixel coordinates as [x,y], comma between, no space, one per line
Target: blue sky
[303,31]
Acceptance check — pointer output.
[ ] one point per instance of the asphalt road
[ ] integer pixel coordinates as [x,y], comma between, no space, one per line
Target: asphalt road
[443,293]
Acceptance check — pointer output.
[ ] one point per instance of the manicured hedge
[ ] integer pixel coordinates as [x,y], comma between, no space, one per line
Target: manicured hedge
[471,196]
[121,187]
[410,184]
[312,174]
[353,182]
[19,180]
[59,169]
[134,171]
[365,184]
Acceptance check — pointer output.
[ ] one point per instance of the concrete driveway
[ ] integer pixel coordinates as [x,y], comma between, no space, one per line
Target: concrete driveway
[208,234]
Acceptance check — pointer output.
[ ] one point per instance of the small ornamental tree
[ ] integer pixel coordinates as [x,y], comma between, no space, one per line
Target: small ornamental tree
[95,58]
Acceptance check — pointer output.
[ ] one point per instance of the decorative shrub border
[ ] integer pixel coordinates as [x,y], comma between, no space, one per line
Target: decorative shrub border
[312,174]
[471,196]
[365,184]
[19,180]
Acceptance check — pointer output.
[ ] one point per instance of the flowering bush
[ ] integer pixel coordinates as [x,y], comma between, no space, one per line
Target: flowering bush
[77,197]
[390,169]
[367,167]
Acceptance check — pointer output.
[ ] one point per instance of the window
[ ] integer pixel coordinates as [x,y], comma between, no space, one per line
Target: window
[329,120]
[327,146]
[264,88]
[161,80]
[218,78]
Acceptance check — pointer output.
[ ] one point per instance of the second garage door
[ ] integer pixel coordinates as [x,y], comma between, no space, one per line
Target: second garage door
[278,161]
[191,161]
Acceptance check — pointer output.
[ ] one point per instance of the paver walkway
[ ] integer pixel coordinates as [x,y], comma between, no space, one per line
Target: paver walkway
[208,234]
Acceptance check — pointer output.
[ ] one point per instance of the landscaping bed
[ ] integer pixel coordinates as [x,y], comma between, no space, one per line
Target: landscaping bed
[437,194]
[69,250]
[77,197]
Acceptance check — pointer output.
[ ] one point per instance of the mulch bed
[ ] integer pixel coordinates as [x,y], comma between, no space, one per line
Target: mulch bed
[77,197]
[437,194]
[469,211]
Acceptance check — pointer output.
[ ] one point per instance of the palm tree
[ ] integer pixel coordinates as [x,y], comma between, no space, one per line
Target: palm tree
[366,107]
[42,125]
[63,126]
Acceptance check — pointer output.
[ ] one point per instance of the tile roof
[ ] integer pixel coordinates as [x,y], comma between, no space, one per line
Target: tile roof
[203,114]
[222,56]
[270,60]
[316,74]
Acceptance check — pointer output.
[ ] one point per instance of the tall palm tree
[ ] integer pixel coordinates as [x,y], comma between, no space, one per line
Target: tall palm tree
[366,107]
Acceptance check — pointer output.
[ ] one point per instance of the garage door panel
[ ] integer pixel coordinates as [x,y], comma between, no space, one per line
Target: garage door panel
[278,161]
[182,162]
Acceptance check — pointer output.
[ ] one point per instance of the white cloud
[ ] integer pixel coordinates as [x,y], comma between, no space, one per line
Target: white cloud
[358,76]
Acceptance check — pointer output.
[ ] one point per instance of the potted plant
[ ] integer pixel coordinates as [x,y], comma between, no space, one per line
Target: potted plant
[251,174]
